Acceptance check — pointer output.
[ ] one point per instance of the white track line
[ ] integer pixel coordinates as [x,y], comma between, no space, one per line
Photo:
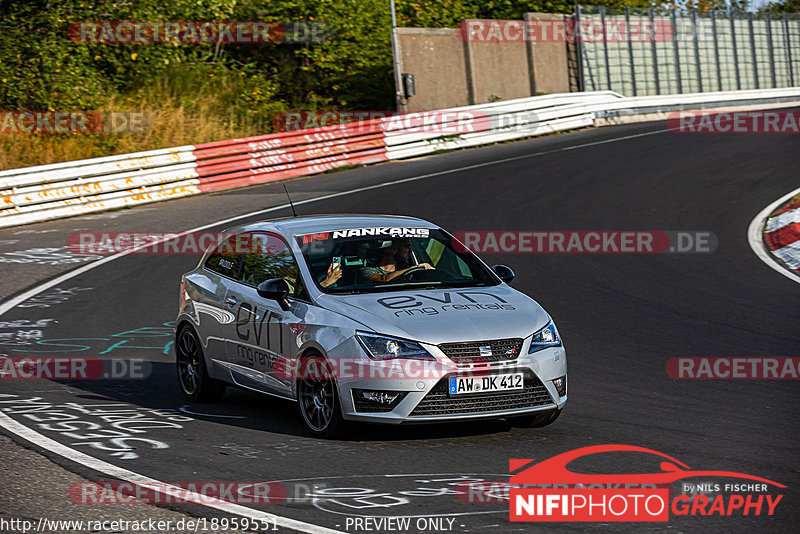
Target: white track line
[756,241]
[129,476]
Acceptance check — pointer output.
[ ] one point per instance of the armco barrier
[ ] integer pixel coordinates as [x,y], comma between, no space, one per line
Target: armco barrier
[59,190]
[649,108]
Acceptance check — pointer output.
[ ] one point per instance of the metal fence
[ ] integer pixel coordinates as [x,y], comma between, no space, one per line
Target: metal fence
[651,52]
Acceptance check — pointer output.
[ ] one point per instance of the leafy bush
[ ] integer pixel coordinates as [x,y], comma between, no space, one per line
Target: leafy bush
[201,92]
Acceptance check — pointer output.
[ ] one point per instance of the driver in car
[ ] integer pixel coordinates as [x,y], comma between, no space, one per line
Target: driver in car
[392,262]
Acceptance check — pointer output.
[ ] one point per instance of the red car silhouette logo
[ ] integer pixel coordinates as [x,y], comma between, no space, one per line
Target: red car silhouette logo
[554,470]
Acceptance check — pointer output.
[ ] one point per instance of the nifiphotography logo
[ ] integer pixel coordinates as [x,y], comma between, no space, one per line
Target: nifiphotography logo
[548,491]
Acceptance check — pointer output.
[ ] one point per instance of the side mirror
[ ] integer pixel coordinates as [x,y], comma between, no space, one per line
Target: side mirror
[505,273]
[275,289]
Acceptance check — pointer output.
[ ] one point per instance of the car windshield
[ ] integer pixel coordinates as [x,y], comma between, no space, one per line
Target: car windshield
[368,260]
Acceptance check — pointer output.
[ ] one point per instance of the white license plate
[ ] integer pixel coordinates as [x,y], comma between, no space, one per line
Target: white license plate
[460,385]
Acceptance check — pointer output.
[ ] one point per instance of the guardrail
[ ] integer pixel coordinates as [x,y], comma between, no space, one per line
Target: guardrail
[47,192]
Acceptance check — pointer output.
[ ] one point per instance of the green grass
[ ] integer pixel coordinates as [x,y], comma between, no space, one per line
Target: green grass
[185,108]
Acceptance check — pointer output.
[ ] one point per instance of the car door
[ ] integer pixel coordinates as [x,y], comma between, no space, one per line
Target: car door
[262,334]
[221,270]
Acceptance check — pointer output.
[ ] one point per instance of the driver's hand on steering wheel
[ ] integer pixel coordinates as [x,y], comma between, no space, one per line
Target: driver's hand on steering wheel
[426,266]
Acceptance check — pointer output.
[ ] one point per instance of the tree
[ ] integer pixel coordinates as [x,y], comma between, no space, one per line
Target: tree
[787,6]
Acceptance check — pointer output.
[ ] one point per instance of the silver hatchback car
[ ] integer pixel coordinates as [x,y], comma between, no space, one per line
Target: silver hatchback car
[381,319]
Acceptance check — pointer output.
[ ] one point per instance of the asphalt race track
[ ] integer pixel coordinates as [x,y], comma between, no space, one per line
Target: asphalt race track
[621,317]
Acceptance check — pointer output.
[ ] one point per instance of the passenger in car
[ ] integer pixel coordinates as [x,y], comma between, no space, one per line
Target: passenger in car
[333,275]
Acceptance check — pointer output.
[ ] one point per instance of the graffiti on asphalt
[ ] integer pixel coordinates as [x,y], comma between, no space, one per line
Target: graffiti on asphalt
[390,495]
[52,297]
[161,340]
[26,331]
[26,323]
[118,429]
[46,256]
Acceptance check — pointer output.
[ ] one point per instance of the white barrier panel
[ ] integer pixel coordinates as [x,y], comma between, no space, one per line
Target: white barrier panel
[94,167]
[102,184]
[95,203]
[48,192]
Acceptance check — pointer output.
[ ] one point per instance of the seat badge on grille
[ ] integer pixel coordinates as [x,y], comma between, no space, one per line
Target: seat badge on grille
[485,351]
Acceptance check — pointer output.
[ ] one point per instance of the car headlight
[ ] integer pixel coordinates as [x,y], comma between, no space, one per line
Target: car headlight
[544,338]
[389,348]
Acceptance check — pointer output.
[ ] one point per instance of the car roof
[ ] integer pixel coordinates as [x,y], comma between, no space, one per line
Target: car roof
[326,223]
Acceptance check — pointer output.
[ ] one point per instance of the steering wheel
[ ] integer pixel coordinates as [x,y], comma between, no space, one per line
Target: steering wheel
[406,276]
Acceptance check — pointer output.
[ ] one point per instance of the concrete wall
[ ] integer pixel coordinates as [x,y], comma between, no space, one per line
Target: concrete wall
[500,71]
[551,74]
[450,71]
[705,54]
[436,59]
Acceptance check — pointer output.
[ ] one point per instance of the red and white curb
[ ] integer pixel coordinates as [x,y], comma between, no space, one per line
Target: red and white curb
[774,235]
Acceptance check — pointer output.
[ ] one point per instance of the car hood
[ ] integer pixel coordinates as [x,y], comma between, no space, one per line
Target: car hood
[447,315]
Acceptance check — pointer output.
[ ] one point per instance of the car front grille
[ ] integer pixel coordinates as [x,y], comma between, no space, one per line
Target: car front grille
[439,402]
[502,350]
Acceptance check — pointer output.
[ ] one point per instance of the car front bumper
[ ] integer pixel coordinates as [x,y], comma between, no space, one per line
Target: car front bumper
[425,386]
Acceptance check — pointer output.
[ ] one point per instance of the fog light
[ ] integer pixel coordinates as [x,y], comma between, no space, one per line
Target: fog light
[381,397]
[561,385]
[367,400]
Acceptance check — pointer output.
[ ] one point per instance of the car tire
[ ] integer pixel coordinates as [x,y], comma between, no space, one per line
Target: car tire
[536,420]
[193,378]
[318,398]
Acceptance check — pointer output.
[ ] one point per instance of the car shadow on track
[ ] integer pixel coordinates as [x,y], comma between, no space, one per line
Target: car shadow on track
[250,410]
